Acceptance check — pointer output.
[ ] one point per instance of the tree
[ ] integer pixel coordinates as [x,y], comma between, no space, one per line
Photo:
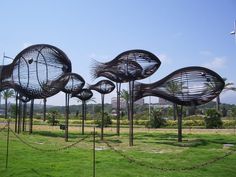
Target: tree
[174,88]
[156,120]
[228,87]
[6,94]
[213,119]
[125,95]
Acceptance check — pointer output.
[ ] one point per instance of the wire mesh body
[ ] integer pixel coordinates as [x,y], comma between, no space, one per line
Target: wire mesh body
[129,65]
[74,84]
[103,86]
[187,86]
[84,94]
[35,72]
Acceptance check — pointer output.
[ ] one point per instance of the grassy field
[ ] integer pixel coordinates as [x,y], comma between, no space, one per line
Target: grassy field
[155,153]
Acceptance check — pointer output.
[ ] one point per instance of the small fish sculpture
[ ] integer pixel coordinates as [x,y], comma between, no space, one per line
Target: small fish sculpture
[75,83]
[103,86]
[84,94]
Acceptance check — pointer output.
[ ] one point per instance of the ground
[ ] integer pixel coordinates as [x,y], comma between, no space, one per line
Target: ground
[156,152]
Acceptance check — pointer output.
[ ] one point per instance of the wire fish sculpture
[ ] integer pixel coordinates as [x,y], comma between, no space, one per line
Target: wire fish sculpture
[36,71]
[127,66]
[84,94]
[103,86]
[75,83]
[187,86]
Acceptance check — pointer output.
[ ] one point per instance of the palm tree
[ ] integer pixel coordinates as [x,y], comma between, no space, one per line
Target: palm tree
[6,94]
[84,110]
[125,95]
[174,88]
[228,86]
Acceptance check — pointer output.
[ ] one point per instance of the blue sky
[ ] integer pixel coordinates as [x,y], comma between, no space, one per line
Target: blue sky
[180,32]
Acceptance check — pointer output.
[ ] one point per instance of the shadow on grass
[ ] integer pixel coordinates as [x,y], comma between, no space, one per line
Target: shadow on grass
[59,134]
[174,142]
[222,141]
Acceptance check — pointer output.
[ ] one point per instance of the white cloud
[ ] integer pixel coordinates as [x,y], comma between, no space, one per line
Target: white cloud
[164,59]
[216,63]
[205,53]
[26,44]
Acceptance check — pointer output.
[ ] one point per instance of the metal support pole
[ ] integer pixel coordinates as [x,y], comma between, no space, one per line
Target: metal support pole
[102,124]
[94,152]
[44,108]
[179,114]
[16,110]
[83,116]
[67,117]
[24,116]
[31,116]
[8,138]
[20,116]
[131,123]
[118,87]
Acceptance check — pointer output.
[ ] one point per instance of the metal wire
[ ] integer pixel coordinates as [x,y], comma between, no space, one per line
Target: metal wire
[3,128]
[152,166]
[48,150]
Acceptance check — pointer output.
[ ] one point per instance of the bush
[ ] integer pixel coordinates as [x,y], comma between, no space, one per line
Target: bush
[171,123]
[229,123]
[192,123]
[141,122]
[194,117]
[156,120]
[213,119]
[52,117]
[107,120]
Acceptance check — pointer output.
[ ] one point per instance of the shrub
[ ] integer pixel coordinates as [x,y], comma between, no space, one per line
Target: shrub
[141,122]
[107,120]
[192,123]
[52,117]
[229,123]
[156,120]
[171,123]
[194,117]
[213,119]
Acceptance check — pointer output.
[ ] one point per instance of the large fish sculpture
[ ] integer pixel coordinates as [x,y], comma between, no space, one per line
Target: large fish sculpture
[128,66]
[36,71]
[187,86]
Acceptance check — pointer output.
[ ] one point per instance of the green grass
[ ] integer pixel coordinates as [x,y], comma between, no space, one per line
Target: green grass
[153,154]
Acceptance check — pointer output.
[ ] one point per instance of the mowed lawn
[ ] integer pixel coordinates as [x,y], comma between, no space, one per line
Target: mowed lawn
[155,153]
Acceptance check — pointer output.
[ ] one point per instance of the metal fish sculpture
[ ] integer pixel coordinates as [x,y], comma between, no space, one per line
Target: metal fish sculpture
[84,94]
[128,66]
[35,72]
[75,83]
[187,86]
[103,86]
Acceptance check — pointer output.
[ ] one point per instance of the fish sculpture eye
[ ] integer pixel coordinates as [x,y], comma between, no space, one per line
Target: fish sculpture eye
[187,86]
